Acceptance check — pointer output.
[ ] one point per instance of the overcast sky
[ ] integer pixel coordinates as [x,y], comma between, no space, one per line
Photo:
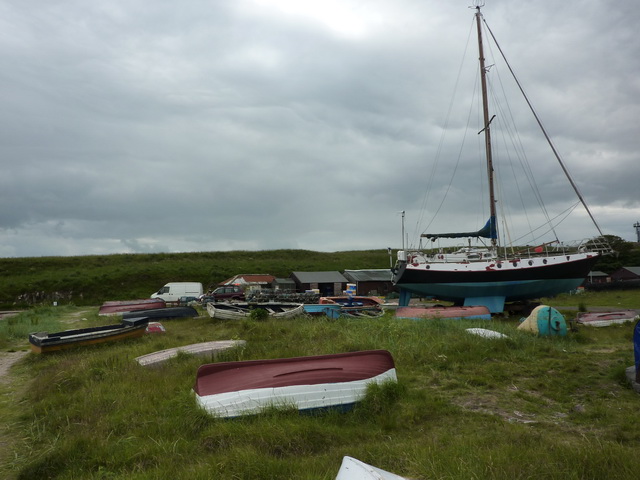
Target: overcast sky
[161,126]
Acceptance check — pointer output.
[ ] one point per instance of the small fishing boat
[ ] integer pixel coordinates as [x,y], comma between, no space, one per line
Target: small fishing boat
[231,389]
[116,307]
[330,310]
[352,301]
[167,312]
[44,342]
[237,311]
[479,312]
[354,469]
[604,319]
[355,305]
[206,349]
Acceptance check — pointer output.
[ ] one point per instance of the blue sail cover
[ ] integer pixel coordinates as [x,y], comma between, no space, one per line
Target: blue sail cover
[488,231]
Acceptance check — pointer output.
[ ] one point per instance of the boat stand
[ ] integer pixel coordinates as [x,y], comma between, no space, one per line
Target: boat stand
[405,298]
[494,304]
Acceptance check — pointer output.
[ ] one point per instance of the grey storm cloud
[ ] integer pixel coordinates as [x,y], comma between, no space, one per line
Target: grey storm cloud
[256,124]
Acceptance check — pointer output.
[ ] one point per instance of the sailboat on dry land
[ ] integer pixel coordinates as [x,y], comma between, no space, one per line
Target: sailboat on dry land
[494,270]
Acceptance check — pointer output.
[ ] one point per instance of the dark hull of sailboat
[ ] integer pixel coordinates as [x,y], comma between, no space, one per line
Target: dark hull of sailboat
[514,284]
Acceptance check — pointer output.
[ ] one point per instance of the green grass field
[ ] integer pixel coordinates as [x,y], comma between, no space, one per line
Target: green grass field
[465,407]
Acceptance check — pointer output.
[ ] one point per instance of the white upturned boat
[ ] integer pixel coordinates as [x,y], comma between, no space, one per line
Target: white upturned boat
[354,469]
[232,389]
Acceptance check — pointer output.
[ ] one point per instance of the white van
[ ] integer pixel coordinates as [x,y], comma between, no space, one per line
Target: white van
[172,292]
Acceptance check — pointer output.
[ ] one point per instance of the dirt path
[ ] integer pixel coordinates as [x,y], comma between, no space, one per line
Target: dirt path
[7,359]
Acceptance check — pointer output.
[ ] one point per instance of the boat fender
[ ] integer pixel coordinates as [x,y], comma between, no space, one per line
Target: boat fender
[441,257]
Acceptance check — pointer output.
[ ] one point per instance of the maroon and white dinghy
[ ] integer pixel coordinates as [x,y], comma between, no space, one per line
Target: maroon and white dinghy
[116,307]
[232,389]
[604,319]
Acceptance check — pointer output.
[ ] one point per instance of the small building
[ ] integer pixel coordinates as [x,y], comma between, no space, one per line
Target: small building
[328,283]
[626,273]
[253,281]
[598,277]
[283,285]
[375,282]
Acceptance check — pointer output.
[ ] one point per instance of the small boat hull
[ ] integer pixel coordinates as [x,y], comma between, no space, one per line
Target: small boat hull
[238,311]
[330,310]
[352,301]
[197,349]
[355,306]
[485,333]
[233,389]
[167,312]
[121,306]
[455,313]
[604,319]
[43,342]
[354,469]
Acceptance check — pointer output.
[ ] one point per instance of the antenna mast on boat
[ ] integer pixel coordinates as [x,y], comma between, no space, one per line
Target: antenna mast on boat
[487,122]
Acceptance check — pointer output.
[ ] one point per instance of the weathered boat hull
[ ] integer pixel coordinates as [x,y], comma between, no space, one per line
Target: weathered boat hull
[167,312]
[354,469]
[206,349]
[418,313]
[116,307]
[233,389]
[238,311]
[44,342]
[352,301]
[330,310]
[604,319]
[355,305]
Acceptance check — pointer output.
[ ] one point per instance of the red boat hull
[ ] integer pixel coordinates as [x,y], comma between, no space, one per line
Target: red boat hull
[122,306]
[417,313]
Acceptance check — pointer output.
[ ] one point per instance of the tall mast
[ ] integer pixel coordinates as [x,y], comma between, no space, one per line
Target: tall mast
[486,129]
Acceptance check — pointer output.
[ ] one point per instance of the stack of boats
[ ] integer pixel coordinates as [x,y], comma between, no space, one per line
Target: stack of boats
[240,310]
[148,307]
[333,307]
[346,305]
